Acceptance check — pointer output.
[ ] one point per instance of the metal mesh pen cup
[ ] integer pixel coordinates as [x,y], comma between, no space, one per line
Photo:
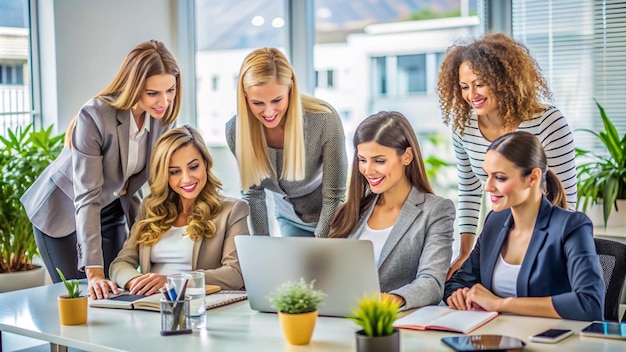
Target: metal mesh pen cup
[175,317]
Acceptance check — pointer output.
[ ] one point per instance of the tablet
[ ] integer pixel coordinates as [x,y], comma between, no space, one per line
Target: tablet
[484,343]
[609,330]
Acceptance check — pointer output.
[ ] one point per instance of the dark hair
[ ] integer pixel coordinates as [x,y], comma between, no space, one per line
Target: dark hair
[525,151]
[390,129]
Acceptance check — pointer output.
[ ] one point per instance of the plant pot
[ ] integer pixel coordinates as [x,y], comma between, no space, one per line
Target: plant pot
[22,279]
[617,219]
[390,343]
[73,311]
[298,328]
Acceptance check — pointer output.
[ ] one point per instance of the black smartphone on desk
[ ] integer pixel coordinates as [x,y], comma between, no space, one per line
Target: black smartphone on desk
[551,335]
[605,329]
[468,343]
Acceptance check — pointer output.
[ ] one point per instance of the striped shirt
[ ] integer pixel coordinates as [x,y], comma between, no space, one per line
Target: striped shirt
[556,137]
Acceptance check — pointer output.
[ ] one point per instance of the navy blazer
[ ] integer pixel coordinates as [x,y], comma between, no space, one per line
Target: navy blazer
[561,262]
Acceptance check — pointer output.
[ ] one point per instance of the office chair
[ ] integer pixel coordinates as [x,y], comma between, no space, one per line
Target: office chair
[613,261]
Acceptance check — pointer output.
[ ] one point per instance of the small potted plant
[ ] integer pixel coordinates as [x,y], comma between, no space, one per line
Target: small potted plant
[72,306]
[376,316]
[296,304]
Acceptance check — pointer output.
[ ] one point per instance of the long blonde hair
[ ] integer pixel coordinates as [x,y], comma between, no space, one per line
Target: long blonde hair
[162,206]
[145,60]
[260,67]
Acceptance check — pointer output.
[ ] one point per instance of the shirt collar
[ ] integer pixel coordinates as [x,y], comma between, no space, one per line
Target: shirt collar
[134,130]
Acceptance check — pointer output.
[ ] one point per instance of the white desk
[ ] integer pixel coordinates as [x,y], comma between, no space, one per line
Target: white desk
[34,313]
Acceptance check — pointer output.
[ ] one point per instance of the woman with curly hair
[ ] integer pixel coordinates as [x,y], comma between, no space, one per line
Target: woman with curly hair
[487,88]
[184,224]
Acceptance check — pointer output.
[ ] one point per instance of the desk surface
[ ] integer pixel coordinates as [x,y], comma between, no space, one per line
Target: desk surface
[34,313]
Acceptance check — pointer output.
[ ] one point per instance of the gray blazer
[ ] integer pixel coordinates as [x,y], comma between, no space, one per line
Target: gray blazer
[416,256]
[70,193]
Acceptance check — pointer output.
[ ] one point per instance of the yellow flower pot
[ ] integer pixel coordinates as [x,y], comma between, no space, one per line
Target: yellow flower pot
[298,328]
[73,311]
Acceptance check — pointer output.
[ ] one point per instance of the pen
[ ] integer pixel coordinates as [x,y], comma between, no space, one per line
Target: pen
[178,309]
[163,290]
[171,292]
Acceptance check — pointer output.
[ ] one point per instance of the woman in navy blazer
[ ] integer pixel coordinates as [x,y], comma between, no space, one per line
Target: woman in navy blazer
[533,257]
[390,202]
[83,204]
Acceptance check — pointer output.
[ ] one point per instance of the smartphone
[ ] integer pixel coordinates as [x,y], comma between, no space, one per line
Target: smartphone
[551,335]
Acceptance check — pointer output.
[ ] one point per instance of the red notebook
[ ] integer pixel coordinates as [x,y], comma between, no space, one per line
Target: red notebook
[444,318]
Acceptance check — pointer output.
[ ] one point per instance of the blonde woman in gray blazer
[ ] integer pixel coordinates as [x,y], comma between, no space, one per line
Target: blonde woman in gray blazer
[391,203]
[83,204]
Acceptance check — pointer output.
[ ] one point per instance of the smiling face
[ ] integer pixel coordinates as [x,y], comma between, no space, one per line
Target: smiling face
[476,92]
[268,103]
[157,95]
[506,186]
[382,167]
[187,174]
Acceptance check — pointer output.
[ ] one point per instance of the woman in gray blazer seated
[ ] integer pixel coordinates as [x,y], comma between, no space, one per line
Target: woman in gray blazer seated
[184,223]
[83,204]
[391,203]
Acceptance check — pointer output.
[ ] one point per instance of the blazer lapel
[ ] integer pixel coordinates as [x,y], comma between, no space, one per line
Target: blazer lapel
[493,256]
[409,212]
[123,133]
[536,243]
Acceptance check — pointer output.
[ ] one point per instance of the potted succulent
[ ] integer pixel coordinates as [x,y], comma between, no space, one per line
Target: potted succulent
[24,154]
[603,178]
[376,316]
[72,306]
[296,304]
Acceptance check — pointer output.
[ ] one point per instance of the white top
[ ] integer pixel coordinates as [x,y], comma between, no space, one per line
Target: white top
[377,237]
[173,252]
[137,140]
[504,281]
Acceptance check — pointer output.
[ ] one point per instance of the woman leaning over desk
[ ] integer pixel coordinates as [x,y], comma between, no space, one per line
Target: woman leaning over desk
[390,202]
[83,204]
[534,257]
[288,143]
[489,87]
[184,224]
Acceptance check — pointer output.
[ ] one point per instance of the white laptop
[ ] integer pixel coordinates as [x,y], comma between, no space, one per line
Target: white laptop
[344,269]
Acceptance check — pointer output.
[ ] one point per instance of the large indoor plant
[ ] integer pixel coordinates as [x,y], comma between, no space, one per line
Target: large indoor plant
[24,154]
[296,304]
[603,177]
[376,316]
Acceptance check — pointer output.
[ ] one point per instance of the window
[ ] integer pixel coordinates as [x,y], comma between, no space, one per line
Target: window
[411,74]
[379,84]
[16,93]
[324,79]
[579,44]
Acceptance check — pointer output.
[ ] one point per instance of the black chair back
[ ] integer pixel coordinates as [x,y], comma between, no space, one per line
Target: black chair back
[613,261]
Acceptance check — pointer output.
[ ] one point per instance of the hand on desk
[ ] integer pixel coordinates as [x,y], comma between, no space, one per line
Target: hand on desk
[475,298]
[146,284]
[393,297]
[99,287]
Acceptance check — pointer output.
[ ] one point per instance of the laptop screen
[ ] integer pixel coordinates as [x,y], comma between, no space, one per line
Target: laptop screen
[344,269]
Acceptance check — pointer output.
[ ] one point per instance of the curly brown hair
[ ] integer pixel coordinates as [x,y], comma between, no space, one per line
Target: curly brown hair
[504,65]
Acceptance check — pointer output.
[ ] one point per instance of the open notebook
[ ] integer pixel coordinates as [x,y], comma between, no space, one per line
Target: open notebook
[444,318]
[215,298]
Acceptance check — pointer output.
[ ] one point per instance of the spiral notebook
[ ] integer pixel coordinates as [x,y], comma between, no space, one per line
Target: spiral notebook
[225,297]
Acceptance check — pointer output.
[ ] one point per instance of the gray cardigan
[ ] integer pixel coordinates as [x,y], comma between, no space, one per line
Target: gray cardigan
[314,199]
[416,256]
[70,193]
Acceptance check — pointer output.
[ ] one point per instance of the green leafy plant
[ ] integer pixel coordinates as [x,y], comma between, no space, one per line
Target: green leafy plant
[376,316]
[604,177]
[70,285]
[24,154]
[296,297]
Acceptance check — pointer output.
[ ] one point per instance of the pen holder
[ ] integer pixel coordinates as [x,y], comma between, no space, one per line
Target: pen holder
[175,317]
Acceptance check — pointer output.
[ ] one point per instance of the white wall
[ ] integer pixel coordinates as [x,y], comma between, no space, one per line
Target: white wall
[83,44]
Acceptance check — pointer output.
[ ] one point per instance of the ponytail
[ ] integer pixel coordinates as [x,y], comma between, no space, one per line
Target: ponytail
[554,190]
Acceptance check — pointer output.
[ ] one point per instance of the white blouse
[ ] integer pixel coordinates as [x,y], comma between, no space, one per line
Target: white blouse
[173,252]
[505,278]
